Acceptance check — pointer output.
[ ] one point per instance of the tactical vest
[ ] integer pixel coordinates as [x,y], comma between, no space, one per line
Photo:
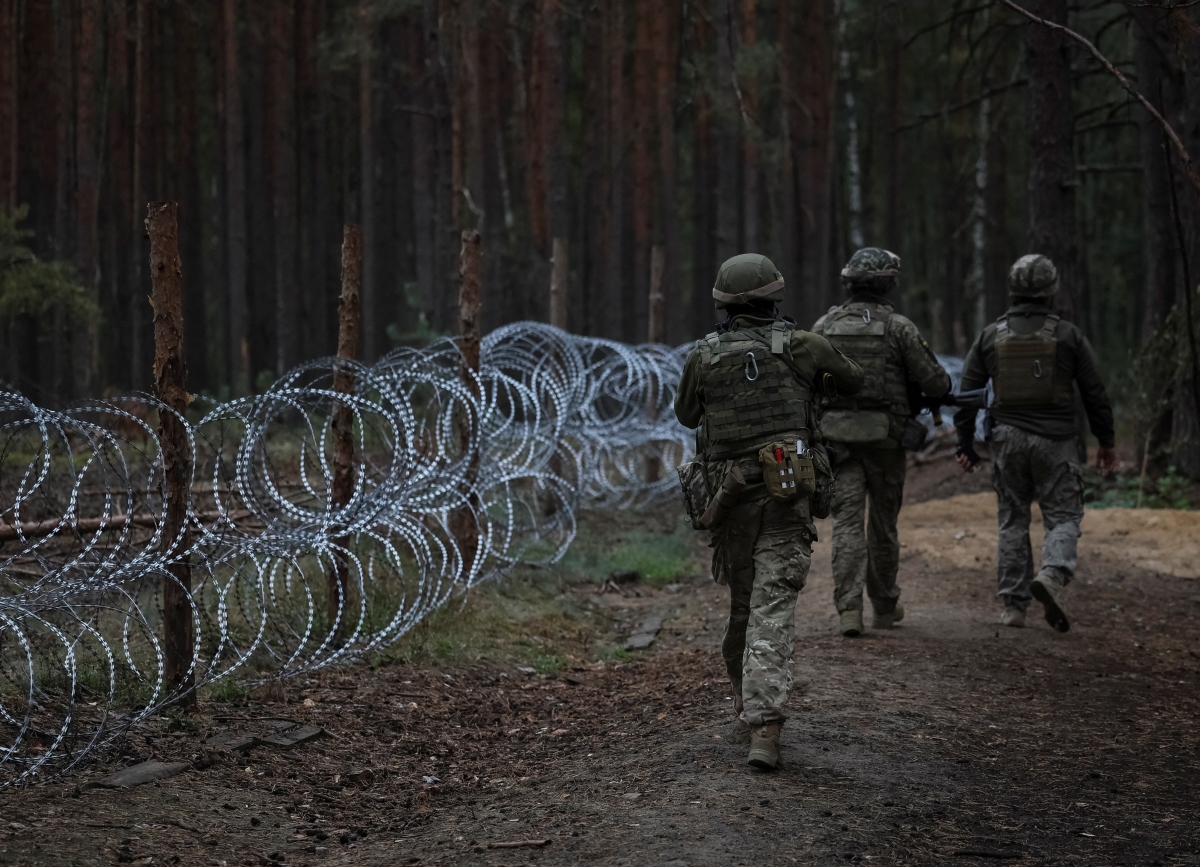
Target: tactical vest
[1027,373]
[752,396]
[862,334]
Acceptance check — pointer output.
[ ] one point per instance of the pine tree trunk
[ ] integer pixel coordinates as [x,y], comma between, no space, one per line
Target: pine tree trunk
[554,121]
[87,193]
[119,168]
[642,179]
[728,239]
[667,38]
[235,205]
[9,129]
[814,155]
[704,185]
[281,79]
[615,245]
[751,169]
[1052,178]
[187,175]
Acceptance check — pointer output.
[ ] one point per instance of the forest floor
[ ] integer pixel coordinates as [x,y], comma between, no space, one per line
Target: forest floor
[520,718]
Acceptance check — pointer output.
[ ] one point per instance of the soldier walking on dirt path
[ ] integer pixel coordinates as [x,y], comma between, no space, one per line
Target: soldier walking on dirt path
[1035,361]
[748,387]
[867,434]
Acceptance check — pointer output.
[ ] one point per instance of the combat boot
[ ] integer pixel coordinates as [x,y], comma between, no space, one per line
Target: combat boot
[739,735]
[1048,591]
[764,746]
[1013,616]
[886,621]
[850,623]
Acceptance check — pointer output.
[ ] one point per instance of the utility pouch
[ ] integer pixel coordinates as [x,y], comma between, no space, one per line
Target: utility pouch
[704,510]
[694,482]
[788,470]
[913,435]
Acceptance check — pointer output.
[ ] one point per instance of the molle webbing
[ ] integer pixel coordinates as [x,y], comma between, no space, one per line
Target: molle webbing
[751,394]
[1027,373]
[863,334]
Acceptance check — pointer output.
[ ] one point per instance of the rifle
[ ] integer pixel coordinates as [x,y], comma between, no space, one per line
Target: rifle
[917,402]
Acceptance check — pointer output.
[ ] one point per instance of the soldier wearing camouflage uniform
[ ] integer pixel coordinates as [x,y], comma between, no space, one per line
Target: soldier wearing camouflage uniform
[865,436]
[747,386]
[1035,361]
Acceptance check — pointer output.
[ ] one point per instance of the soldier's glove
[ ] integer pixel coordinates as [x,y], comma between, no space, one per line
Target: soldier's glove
[968,452]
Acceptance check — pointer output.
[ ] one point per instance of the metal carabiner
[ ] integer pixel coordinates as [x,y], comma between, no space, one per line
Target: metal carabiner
[754,361]
[867,316]
[1037,368]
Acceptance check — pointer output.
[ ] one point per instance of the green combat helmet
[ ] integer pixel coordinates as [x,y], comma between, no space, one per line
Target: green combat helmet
[1033,276]
[871,268]
[747,278]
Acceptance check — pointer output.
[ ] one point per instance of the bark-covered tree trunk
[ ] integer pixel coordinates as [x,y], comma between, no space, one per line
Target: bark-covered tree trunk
[1052,177]
[446,236]
[642,178]
[186,160]
[729,240]
[554,119]
[366,143]
[8,103]
[750,147]
[281,83]
[87,191]
[144,104]
[704,184]
[814,156]
[666,74]
[234,148]
[616,168]
[118,181]
[594,201]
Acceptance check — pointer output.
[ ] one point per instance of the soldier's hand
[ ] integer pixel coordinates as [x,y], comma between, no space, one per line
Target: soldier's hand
[967,458]
[1106,461]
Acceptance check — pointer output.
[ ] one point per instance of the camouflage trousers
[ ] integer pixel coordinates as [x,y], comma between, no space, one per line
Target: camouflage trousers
[1027,467]
[867,557]
[762,551]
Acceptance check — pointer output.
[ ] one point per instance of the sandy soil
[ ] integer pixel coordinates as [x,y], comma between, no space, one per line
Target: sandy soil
[946,740]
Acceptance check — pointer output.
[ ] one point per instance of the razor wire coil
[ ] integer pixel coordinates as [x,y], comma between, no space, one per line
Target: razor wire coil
[549,423]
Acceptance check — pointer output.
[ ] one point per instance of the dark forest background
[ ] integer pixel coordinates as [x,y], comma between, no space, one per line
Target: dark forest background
[608,134]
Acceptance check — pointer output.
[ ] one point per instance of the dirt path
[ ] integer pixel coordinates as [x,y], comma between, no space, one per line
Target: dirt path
[947,740]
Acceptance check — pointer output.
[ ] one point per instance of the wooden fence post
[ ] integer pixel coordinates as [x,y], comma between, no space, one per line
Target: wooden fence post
[349,327]
[558,284]
[656,329]
[470,284]
[170,387]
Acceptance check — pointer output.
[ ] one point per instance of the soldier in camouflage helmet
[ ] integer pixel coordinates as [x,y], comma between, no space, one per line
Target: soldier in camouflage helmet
[1035,360]
[866,433]
[748,387]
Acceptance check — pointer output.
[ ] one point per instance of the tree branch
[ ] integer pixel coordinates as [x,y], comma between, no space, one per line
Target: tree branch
[1172,136]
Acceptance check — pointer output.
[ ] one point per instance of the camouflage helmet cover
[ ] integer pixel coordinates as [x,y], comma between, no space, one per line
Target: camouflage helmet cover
[1033,276]
[872,266]
[746,278]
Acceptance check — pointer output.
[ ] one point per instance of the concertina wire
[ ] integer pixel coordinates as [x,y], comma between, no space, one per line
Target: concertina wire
[551,423]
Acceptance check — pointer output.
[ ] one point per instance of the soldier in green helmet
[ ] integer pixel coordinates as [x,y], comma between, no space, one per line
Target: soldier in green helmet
[867,435]
[748,389]
[1035,361]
